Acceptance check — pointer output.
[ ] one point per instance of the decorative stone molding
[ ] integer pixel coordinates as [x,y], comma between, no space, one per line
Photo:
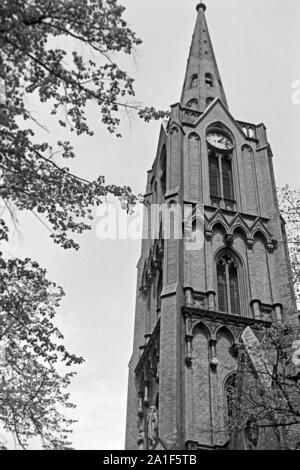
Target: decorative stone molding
[250,243]
[196,299]
[148,352]
[248,129]
[261,311]
[211,296]
[152,265]
[215,201]
[144,290]
[237,221]
[189,302]
[188,358]
[255,307]
[141,438]
[229,205]
[174,129]
[208,234]
[193,445]
[189,116]
[190,322]
[171,203]
[213,351]
[266,312]
[213,323]
[172,192]
[200,299]
[272,245]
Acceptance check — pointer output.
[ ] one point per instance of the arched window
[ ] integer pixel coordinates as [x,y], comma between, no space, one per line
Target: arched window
[228,285]
[209,100]
[209,81]
[214,175]
[194,81]
[193,104]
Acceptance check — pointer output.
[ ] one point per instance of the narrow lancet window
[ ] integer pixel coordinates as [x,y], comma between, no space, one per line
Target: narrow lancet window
[228,285]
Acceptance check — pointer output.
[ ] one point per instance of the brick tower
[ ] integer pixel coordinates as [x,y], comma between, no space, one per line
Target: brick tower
[194,301]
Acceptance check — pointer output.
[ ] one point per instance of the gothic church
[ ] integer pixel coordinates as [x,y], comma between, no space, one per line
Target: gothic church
[193,305]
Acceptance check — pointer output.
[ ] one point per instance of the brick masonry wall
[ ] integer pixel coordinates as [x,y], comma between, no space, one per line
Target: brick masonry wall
[191,401]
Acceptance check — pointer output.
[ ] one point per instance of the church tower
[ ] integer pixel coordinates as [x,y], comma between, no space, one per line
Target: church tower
[196,293]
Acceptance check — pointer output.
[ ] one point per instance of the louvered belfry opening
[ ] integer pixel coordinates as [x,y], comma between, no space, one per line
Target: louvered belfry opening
[227,178]
[214,175]
[228,285]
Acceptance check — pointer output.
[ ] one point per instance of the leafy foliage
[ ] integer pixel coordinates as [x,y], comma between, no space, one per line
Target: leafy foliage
[289,200]
[274,409]
[32,393]
[31,178]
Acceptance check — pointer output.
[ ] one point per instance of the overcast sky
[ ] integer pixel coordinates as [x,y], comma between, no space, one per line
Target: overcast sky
[257,48]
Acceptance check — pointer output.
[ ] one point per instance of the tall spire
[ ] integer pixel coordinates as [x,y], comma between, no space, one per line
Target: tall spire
[202,81]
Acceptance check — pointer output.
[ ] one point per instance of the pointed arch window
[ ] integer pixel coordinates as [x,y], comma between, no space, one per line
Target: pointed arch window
[209,100]
[228,285]
[194,81]
[214,175]
[209,81]
[221,177]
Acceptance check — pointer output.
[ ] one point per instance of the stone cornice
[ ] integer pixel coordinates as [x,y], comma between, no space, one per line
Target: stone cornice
[224,318]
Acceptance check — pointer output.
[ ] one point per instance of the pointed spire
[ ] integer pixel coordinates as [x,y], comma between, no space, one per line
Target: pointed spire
[202,80]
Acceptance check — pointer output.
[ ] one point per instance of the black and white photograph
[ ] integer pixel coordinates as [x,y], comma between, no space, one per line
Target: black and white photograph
[149,228]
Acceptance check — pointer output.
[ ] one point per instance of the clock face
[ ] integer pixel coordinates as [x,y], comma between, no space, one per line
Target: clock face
[219,140]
